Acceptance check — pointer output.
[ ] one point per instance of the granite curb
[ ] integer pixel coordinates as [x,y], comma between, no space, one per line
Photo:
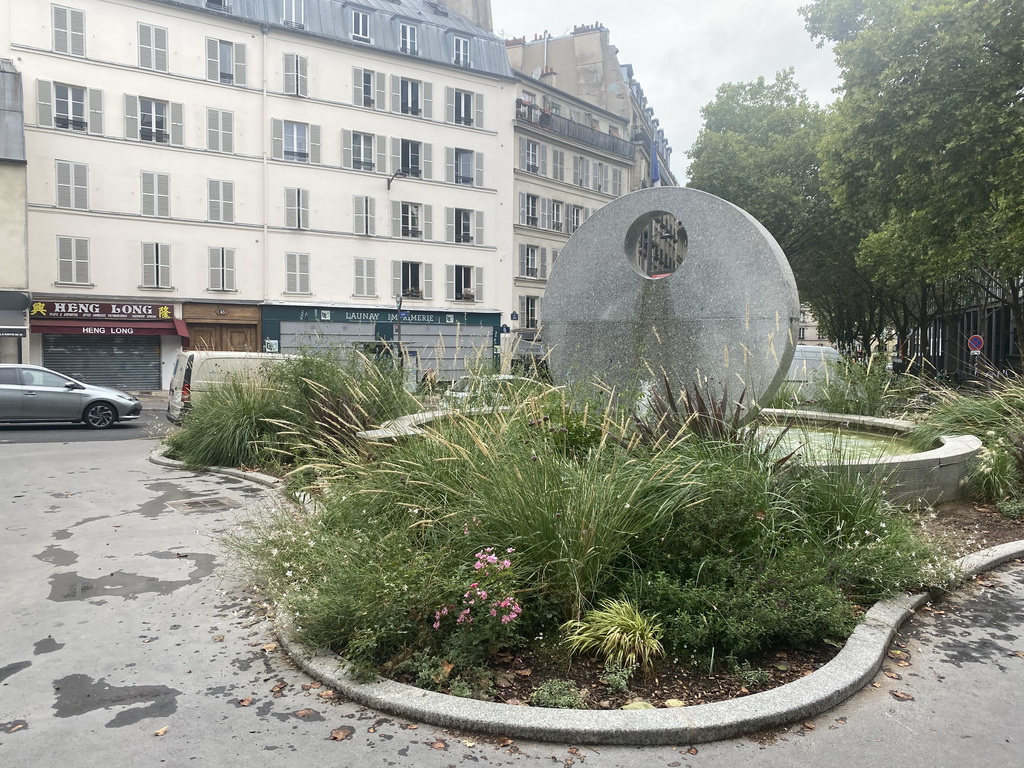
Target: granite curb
[850,670]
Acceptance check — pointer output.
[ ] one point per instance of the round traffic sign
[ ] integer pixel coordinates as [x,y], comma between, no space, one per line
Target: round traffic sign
[975,343]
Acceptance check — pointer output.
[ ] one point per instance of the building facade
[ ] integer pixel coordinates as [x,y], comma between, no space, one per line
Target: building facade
[261,175]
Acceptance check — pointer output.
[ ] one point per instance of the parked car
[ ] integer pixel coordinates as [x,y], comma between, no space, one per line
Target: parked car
[34,393]
[197,371]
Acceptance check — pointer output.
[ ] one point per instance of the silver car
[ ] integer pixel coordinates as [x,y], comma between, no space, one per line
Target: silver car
[33,393]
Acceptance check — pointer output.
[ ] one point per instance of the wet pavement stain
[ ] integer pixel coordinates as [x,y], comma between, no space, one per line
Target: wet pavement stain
[13,726]
[46,645]
[57,556]
[168,492]
[13,669]
[79,694]
[65,587]
[62,534]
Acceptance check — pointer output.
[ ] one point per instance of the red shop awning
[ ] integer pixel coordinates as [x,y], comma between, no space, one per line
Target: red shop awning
[173,327]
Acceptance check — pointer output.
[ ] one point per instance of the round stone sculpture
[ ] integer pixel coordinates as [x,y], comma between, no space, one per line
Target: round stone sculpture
[724,322]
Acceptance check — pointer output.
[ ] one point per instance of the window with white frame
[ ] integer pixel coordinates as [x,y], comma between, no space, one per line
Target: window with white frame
[156,194]
[294,13]
[581,171]
[529,312]
[463,225]
[407,39]
[364,215]
[411,220]
[296,208]
[528,209]
[365,276]
[533,261]
[156,265]
[153,121]
[411,160]
[296,273]
[362,151]
[225,61]
[220,130]
[556,215]
[221,200]
[464,287]
[412,282]
[532,156]
[68,31]
[361,26]
[152,47]
[462,107]
[463,166]
[410,92]
[72,260]
[367,88]
[69,107]
[460,52]
[575,218]
[296,75]
[221,269]
[72,185]
[296,142]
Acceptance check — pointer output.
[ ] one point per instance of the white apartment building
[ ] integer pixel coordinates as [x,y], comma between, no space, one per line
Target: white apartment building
[264,175]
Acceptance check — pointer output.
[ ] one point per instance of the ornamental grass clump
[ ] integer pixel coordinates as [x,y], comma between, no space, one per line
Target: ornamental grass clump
[618,633]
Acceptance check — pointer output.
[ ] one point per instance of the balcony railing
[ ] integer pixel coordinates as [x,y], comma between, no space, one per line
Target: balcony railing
[531,113]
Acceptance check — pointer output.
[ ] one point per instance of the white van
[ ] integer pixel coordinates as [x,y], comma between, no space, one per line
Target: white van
[809,360]
[195,372]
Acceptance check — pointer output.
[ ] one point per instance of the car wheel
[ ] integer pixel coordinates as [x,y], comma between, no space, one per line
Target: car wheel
[99,415]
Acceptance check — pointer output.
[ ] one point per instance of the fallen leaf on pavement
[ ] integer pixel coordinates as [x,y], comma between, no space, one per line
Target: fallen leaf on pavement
[892,675]
[439,744]
[245,702]
[279,686]
[162,731]
[901,696]
[328,694]
[305,712]
[505,742]
[269,647]
[1019,654]
[691,751]
[218,638]
[808,726]
[409,727]
[342,733]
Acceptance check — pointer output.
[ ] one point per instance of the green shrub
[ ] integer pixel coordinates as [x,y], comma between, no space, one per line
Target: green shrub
[616,677]
[862,387]
[557,694]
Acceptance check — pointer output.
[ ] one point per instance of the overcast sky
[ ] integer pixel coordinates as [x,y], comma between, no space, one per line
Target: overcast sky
[682,50]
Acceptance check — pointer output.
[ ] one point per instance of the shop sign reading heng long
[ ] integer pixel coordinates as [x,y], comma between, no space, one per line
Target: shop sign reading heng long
[97,310]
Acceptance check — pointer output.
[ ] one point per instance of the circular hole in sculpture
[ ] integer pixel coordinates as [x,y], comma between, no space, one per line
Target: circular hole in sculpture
[657,243]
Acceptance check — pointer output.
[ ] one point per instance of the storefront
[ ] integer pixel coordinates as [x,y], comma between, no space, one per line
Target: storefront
[112,344]
[447,343]
[222,327]
[13,328]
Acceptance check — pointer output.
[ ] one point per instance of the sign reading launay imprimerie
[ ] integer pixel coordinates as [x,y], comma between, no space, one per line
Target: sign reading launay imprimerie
[99,310]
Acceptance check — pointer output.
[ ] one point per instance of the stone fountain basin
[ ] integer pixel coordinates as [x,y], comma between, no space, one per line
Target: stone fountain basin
[931,476]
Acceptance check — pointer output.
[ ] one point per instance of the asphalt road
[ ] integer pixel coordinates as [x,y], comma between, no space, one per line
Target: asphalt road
[151,424]
[123,620]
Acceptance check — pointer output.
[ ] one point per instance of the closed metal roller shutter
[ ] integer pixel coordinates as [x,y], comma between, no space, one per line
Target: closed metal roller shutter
[124,362]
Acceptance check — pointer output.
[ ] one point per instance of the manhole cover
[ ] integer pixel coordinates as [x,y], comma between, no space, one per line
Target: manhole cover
[215,504]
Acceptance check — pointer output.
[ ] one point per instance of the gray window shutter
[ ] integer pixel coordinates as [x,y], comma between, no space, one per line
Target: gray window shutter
[428,222]
[177,124]
[61,37]
[131,117]
[213,199]
[95,111]
[65,260]
[229,269]
[380,102]
[303,273]
[449,164]
[522,260]
[396,155]
[449,225]
[291,268]
[522,153]
[346,148]
[304,208]
[80,186]
[428,281]
[148,193]
[396,94]
[77,32]
[522,207]
[145,46]
[149,278]
[277,139]
[478,273]
[478,158]
[396,218]
[396,278]
[449,282]
[543,159]
[478,222]
[164,265]
[213,59]
[227,201]
[382,154]
[522,312]
[478,102]
[545,213]
[449,104]
[302,75]
[227,131]
[65,193]
[291,207]
[428,160]
[357,86]
[160,49]
[371,276]
[214,269]
[543,263]
[371,216]
[213,130]
[360,276]
[428,101]
[44,103]
[163,195]
[291,85]
[314,144]
[359,214]
[239,63]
